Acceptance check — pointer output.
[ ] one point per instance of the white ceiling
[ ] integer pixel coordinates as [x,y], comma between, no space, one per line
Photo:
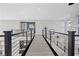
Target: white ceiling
[36,11]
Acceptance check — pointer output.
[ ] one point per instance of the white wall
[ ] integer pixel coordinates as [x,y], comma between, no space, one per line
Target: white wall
[40,24]
[8,25]
[59,26]
[73,10]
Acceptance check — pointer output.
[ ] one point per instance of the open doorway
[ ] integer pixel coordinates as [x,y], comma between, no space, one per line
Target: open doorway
[28,26]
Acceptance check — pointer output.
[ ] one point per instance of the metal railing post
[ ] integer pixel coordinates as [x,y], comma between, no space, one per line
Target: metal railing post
[71,43]
[31,34]
[45,32]
[8,43]
[23,32]
[50,37]
[26,38]
[42,32]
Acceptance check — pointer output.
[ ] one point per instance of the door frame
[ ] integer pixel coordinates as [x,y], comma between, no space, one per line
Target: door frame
[28,23]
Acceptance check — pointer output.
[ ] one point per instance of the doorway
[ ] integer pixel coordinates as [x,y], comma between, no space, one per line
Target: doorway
[28,26]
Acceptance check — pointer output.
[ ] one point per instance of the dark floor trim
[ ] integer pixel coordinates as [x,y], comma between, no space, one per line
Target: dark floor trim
[24,53]
[53,51]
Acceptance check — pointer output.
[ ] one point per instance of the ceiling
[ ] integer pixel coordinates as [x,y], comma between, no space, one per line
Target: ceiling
[36,11]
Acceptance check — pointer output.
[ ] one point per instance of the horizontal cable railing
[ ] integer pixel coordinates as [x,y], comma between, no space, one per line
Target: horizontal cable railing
[14,42]
[17,36]
[2,45]
[61,33]
[63,44]
[60,40]
[1,35]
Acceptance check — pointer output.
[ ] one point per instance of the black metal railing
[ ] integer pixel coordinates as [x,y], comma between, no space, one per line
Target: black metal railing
[62,43]
[15,42]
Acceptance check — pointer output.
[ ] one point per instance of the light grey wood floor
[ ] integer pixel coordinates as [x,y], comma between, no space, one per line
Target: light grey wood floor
[39,47]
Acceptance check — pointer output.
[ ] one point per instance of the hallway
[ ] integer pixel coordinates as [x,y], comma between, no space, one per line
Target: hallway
[39,29]
[39,47]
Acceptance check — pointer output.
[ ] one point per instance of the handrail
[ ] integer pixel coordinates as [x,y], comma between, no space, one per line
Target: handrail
[61,33]
[1,35]
[17,33]
[77,35]
[71,39]
[65,34]
[13,34]
[57,32]
[12,46]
